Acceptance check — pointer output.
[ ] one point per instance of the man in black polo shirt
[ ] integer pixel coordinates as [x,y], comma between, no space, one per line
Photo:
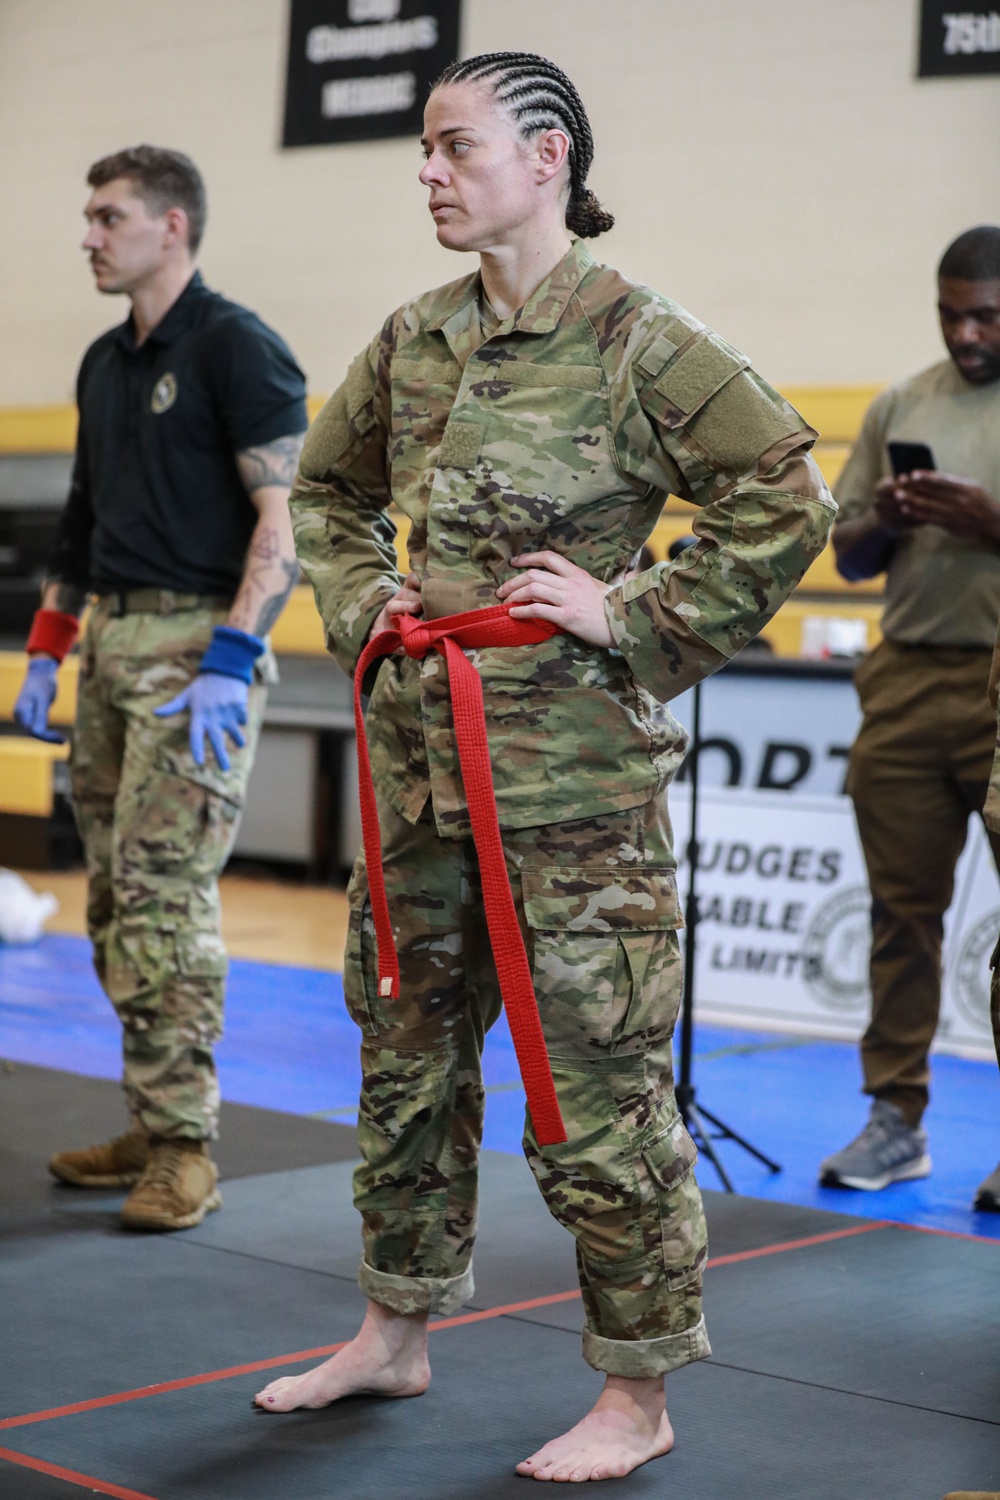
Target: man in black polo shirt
[191,419]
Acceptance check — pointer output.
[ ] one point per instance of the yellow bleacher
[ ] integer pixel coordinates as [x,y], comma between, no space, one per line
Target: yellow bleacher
[26,782]
[835,412]
[12,666]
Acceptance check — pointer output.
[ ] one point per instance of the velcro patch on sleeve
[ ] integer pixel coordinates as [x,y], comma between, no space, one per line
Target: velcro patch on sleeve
[695,375]
[654,360]
[359,389]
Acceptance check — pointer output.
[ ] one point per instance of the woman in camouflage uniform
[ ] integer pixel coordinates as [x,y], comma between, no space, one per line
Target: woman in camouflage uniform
[530,420]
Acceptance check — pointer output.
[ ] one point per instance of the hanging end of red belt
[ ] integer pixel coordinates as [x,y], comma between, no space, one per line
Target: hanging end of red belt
[550,1132]
[388,984]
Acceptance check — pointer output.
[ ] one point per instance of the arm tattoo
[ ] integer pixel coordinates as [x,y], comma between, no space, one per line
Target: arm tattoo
[272,464]
[268,578]
[272,606]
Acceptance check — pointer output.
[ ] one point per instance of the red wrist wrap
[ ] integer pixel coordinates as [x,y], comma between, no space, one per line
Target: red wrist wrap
[476,628]
[52,633]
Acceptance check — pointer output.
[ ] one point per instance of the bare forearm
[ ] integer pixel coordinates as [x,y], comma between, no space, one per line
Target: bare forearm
[863,547]
[270,573]
[271,570]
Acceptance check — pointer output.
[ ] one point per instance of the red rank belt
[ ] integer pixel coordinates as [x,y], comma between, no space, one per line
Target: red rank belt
[474,629]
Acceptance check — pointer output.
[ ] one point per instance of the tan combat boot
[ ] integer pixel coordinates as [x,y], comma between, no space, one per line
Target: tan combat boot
[177,1189]
[118,1163]
[973,1495]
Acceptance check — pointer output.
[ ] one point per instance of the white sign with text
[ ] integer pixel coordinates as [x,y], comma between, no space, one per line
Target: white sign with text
[785,930]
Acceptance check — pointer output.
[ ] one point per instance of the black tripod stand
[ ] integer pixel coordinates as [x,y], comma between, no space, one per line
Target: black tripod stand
[693,1114]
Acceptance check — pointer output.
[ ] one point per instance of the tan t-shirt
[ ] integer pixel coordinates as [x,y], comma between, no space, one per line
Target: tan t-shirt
[991,812]
[940,590]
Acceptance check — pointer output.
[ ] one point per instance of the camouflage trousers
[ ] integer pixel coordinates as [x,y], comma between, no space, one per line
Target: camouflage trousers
[157,829]
[596,901]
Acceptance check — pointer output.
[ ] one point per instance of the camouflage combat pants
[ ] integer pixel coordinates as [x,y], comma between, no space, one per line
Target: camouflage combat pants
[157,829]
[597,904]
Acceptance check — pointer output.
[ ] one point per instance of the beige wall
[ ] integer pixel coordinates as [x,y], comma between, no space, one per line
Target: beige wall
[773,165]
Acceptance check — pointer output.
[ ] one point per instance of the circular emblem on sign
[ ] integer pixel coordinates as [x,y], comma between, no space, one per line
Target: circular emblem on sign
[164,394]
[836,947]
[972,973]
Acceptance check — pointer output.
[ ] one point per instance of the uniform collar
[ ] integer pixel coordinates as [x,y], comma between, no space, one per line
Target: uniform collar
[540,314]
[175,321]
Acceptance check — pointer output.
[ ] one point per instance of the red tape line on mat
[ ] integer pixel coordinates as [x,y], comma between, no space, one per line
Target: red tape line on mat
[951,1234]
[813,1239]
[169,1385]
[85,1481]
[440,1324]
[326,1350]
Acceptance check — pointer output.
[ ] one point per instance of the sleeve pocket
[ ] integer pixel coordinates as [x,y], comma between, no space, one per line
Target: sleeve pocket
[687,380]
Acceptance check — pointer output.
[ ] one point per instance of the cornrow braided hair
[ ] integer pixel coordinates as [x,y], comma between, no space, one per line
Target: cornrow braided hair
[539,96]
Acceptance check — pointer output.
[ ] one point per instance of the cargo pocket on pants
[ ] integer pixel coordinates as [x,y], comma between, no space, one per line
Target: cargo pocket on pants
[600,938]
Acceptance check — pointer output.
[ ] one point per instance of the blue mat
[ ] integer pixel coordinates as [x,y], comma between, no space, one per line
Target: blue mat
[289,1045]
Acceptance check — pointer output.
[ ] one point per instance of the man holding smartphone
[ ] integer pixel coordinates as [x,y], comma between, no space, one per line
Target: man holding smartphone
[921,762]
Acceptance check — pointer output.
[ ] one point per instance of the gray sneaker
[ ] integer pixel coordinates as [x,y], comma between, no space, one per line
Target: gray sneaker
[887,1150]
[988,1193]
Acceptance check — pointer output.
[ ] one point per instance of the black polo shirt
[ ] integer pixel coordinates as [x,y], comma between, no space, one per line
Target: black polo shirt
[156,498]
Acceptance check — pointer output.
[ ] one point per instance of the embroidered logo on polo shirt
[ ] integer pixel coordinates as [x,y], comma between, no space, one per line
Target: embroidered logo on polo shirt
[164,394]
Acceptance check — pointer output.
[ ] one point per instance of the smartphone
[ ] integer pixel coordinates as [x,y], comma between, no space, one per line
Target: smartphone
[905,457]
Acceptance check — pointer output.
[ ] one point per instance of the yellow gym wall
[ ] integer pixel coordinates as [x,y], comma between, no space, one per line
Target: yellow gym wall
[774,166]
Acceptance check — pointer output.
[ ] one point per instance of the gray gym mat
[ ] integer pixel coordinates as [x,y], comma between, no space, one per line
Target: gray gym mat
[501,1388]
[826,1358]
[43,1110]
[896,1314]
[24,1484]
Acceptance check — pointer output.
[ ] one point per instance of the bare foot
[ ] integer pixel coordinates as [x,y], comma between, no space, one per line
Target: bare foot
[627,1427]
[387,1358]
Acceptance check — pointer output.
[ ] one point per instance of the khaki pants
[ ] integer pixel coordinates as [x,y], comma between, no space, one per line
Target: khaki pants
[157,830]
[919,767]
[597,906]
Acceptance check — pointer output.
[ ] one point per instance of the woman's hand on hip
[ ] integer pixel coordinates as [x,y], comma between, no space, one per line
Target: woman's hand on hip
[553,588]
[406,602]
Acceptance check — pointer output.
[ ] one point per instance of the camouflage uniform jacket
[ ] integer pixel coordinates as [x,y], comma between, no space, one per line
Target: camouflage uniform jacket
[565,429]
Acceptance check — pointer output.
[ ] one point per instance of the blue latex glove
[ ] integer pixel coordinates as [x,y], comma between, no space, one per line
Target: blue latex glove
[218,706]
[35,699]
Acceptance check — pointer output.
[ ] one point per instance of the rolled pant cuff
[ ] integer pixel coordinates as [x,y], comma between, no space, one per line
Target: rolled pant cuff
[416,1294]
[641,1359]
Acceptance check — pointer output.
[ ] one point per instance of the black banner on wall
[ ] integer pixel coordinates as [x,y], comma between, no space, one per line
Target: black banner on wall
[956,43]
[359,70]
